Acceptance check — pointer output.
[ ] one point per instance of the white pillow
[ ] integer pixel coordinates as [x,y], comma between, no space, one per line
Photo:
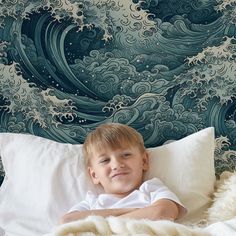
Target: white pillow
[187,167]
[45,178]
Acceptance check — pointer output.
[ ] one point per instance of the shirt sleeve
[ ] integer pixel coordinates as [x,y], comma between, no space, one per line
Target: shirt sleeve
[157,190]
[83,205]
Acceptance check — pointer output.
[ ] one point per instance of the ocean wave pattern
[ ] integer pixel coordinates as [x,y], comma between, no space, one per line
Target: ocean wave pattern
[165,67]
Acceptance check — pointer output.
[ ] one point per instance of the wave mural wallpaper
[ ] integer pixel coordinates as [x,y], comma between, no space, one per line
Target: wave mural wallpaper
[164,67]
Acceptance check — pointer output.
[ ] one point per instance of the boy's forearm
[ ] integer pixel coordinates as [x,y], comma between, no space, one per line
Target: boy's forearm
[166,211]
[77,215]
[162,209]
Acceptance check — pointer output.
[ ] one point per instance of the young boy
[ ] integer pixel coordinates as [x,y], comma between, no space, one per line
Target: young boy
[117,160]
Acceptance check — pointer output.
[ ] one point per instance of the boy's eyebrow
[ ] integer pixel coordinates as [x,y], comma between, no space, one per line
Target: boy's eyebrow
[102,155]
[121,151]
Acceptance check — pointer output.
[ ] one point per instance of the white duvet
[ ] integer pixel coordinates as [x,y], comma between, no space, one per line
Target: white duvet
[99,226]
[114,226]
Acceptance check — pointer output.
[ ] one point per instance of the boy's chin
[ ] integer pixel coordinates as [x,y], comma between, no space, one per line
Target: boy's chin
[124,190]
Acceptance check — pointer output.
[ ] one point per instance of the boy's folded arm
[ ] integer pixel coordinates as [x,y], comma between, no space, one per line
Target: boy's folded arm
[77,215]
[160,210]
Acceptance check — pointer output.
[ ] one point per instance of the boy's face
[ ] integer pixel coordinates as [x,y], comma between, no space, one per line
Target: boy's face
[118,171]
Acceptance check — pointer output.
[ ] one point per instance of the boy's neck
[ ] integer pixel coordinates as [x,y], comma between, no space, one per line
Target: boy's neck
[122,195]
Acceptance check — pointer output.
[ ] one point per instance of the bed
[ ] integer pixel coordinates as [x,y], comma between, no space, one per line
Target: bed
[44,178]
[164,67]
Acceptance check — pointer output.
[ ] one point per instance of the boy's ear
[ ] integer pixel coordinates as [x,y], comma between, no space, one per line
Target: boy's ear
[145,161]
[93,175]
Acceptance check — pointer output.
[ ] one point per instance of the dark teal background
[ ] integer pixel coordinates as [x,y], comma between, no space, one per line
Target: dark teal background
[165,67]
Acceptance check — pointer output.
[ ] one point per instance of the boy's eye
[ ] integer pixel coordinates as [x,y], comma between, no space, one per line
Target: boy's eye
[126,155]
[103,161]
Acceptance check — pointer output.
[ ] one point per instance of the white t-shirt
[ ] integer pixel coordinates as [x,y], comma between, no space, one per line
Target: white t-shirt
[148,193]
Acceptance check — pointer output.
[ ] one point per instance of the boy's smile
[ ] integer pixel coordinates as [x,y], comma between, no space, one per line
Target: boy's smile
[119,174]
[118,171]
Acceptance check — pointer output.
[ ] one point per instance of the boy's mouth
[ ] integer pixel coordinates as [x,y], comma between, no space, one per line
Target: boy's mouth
[119,174]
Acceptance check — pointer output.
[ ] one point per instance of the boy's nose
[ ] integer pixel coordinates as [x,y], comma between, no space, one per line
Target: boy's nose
[117,164]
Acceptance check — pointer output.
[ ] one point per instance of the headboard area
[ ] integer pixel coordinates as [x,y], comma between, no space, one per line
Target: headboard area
[165,67]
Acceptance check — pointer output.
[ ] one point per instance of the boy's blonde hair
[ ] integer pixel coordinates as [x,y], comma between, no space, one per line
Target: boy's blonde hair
[112,135]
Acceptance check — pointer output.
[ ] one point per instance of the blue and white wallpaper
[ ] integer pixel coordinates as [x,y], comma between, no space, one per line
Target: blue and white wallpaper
[164,67]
